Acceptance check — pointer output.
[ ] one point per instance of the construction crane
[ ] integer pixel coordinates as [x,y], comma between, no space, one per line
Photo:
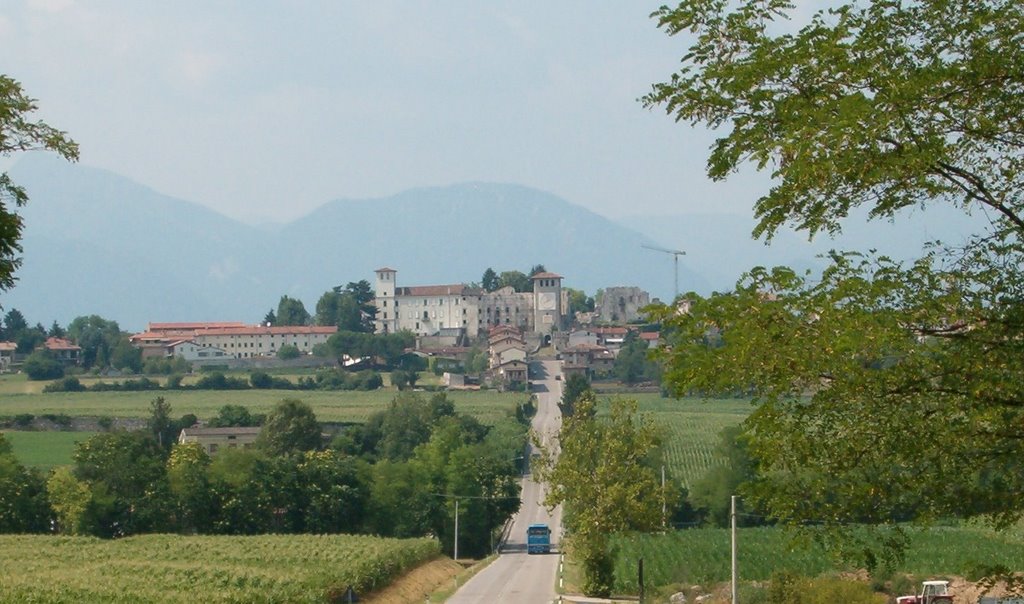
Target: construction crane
[675,258]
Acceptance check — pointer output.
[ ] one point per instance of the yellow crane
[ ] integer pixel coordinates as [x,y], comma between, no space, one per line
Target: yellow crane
[675,258]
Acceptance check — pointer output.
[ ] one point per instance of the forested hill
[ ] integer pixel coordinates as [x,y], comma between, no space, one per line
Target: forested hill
[96,242]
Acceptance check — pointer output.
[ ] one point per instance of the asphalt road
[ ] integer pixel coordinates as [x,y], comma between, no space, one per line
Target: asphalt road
[516,577]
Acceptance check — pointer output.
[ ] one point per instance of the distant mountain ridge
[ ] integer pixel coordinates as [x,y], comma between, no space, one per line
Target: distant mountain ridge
[96,242]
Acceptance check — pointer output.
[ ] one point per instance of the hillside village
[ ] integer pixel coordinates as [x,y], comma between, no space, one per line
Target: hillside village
[451,323]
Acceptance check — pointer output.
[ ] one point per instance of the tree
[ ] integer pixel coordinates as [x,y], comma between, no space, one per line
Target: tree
[632,364]
[40,365]
[270,318]
[605,480]
[711,493]
[234,416]
[489,280]
[516,280]
[290,311]
[335,492]
[24,507]
[288,351]
[290,428]
[576,385]
[537,269]
[97,337]
[14,323]
[190,487]
[885,105]
[56,331]
[126,479]
[125,357]
[579,301]
[160,424]
[19,133]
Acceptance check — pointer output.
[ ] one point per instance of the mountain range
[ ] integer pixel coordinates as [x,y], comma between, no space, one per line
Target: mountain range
[98,243]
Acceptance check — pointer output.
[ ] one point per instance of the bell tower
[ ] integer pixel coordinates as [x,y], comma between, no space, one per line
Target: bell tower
[384,300]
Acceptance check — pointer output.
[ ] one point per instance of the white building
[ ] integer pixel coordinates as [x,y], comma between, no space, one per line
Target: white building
[236,340]
[427,309]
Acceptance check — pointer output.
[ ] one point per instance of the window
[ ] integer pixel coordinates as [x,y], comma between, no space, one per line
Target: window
[213,449]
[385,314]
[385,303]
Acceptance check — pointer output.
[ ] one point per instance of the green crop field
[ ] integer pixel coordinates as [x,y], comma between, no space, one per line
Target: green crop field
[44,450]
[171,568]
[702,556]
[692,427]
[337,406]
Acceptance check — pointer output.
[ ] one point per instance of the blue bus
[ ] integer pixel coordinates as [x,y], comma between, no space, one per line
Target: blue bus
[538,539]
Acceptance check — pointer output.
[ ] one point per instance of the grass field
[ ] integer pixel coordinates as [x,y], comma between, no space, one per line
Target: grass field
[171,568]
[702,556]
[692,427]
[348,406]
[44,450]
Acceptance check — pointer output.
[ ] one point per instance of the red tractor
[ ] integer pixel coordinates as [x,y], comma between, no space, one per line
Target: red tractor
[932,592]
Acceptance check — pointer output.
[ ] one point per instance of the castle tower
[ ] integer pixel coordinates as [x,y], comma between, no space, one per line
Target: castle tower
[547,303]
[384,300]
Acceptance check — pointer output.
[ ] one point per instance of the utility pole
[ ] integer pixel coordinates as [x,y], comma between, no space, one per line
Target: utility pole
[675,259]
[457,530]
[735,596]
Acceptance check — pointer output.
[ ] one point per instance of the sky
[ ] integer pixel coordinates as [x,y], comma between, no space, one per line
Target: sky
[265,110]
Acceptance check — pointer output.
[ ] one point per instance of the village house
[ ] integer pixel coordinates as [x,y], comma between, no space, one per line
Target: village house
[63,350]
[503,353]
[588,359]
[511,373]
[213,440]
[7,355]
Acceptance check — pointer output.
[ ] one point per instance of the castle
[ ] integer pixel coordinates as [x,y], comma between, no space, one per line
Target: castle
[426,310]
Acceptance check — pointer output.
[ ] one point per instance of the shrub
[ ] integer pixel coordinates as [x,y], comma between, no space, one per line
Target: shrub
[218,381]
[287,352]
[66,384]
[62,420]
[24,420]
[41,365]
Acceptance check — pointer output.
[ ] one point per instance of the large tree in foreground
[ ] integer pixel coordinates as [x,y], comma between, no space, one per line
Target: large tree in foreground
[602,473]
[883,391]
[19,133]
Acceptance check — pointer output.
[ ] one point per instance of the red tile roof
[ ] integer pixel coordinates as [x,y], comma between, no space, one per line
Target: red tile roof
[231,329]
[9,346]
[434,290]
[546,276]
[649,335]
[255,330]
[191,326]
[60,344]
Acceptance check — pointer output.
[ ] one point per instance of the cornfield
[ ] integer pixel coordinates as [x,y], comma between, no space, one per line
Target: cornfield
[702,556]
[171,568]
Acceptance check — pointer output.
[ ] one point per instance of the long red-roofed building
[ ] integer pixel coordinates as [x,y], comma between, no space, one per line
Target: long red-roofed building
[235,339]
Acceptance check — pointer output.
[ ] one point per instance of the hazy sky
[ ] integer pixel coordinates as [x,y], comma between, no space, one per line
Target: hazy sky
[265,110]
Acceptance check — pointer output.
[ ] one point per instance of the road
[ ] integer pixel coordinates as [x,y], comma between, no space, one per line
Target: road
[517,577]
